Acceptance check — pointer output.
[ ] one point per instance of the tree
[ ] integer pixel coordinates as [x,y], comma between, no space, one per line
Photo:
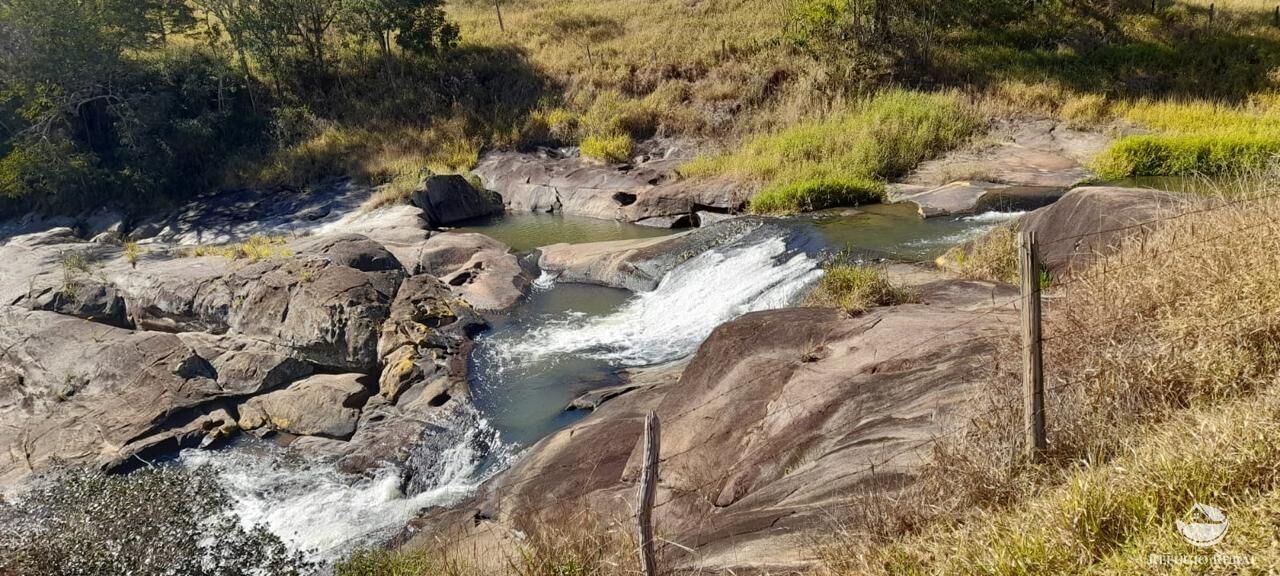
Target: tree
[417,26]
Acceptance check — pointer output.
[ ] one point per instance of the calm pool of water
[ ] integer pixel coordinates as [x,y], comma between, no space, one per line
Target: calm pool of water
[896,231]
[523,232]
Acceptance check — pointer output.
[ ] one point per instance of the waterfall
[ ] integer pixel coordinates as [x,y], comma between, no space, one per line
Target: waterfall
[315,508]
[767,268]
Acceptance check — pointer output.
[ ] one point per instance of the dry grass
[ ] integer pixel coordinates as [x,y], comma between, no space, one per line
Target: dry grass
[993,256]
[256,248]
[1161,366]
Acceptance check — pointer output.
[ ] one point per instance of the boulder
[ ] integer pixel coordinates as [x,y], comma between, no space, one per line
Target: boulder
[770,427]
[426,337]
[480,269]
[399,228]
[326,405]
[84,298]
[326,302]
[1093,220]
[448,200]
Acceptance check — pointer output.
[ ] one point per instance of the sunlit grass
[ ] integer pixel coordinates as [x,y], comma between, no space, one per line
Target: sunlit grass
[845,158]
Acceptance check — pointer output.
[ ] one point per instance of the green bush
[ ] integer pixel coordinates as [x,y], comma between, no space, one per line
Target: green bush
[609,148]
[1182,155]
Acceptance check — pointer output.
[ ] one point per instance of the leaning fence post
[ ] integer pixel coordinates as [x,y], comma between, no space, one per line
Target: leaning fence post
[648,485]
[1032,360]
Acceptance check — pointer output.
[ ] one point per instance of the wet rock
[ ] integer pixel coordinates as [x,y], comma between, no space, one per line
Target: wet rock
[322,405]
[970,197]
[447,200]
[639,265]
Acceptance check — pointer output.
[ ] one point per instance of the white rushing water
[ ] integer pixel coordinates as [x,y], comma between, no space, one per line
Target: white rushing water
[672,320]
[984,223]
[315,508]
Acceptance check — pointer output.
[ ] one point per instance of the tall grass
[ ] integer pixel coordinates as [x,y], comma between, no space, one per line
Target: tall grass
[1161,363]
[844,158]
[856,288]
[1194,138]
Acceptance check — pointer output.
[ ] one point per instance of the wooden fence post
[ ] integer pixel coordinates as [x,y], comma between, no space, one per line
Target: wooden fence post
[648,485]
[1032,360]
[497,6]
[1213,9]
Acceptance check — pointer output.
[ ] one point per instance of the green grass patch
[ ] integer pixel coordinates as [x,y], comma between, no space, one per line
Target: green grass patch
[856,288]
[609,148]
[1193,138]
[844,158]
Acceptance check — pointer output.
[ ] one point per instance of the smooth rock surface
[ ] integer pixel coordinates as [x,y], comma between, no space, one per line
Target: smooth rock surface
[969,197]
[1093,220]
[770,427]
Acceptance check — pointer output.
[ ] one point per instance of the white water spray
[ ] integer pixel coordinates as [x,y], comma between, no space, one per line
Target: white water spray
[672,320]
[315,508]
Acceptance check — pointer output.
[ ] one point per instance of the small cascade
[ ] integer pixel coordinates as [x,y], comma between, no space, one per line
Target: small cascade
[315,508]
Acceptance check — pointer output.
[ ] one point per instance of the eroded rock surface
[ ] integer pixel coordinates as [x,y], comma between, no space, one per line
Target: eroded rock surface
[769,428]
[648,193]
[326,405]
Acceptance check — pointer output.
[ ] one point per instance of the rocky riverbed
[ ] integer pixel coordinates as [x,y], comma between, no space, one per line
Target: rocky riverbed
[411,368]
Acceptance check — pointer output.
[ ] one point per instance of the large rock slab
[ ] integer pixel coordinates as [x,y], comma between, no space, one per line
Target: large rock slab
[969,197]
[326,302]
[80,392]
[1092,221]
[648,193]
[770,427]
[482,270]
[1039,153]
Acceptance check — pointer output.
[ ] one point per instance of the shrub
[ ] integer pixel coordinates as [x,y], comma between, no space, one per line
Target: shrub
[154,522]
[992,256]
[609,148]
[856,288]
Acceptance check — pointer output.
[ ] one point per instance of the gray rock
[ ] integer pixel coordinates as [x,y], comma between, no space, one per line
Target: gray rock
[969,197]
[447,200]
[90,299]
[773,418]
[1092,221]
[85,393]
[322,405]
[648,192]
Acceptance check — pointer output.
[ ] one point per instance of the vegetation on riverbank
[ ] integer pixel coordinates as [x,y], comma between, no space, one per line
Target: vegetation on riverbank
[844,159]
[1161,367]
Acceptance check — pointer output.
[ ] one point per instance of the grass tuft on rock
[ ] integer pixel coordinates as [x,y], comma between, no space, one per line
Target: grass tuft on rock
[844,158]
[615,147]
[856,288]
[992,256]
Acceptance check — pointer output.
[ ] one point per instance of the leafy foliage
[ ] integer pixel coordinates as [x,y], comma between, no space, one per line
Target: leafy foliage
[153,522]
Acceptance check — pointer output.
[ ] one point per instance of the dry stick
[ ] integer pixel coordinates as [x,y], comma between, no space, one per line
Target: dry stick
[1032,359]
[644,497]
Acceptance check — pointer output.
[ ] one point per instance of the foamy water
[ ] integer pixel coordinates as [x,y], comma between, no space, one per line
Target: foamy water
[672,320]
[315,508]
